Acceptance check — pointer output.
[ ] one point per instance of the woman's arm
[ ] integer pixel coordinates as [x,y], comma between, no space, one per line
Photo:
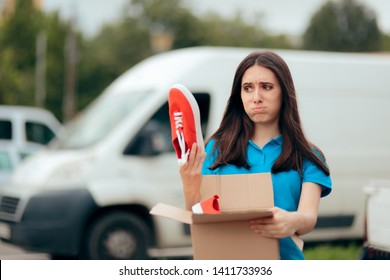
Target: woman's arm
[283,223]
[308,207]
[191,176]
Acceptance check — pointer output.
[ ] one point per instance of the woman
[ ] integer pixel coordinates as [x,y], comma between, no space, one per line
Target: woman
[261,132]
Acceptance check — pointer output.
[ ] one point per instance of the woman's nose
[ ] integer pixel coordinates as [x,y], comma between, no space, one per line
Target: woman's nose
[257,96]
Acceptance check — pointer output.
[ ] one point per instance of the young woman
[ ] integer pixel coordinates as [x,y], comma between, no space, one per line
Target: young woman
[261,132]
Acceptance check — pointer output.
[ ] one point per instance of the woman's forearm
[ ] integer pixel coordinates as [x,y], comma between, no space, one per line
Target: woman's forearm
[304,222]
[191,198]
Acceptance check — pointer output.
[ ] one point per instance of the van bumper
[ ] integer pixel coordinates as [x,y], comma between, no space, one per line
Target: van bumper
[53,222]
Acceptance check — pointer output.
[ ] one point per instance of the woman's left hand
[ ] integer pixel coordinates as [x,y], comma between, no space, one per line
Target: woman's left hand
[281,224]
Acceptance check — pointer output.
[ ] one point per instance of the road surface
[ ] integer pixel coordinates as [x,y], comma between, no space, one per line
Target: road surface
[9,252]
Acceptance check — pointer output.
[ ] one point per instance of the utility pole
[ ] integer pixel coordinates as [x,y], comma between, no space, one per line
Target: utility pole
[71,61]
[40,70]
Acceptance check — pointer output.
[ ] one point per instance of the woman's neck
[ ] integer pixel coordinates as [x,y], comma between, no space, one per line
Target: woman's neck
[263,134]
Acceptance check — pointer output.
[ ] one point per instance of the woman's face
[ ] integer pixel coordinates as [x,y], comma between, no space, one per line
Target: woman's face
[261,95]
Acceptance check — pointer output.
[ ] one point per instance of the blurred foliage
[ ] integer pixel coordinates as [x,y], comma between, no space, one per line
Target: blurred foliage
[386,42]
[17,55]
[347,26]
[56,35]
[333,251]
[18,34]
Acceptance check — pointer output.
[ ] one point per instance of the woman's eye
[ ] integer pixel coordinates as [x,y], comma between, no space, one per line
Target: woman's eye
[267,87]
[247,88]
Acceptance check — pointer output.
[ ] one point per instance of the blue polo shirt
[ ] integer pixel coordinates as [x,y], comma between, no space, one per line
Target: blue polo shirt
[286,185]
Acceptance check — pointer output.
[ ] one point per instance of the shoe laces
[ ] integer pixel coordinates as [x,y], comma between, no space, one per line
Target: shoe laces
[180,137]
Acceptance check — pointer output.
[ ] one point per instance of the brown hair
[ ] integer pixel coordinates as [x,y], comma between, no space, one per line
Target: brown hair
[236,128]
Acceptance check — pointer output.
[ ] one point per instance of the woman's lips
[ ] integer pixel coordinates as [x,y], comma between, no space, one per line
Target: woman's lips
[259,109]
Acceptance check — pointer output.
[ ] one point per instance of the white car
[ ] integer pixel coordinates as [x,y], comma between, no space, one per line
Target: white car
[377,226]
[9,159]
[27,128]
[23,132]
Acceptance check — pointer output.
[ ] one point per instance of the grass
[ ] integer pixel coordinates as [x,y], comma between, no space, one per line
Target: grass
[333,251]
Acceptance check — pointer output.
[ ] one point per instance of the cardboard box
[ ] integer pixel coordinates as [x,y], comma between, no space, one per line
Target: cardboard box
[227,235]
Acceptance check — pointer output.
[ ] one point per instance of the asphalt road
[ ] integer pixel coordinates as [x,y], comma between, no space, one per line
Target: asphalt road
[9,252]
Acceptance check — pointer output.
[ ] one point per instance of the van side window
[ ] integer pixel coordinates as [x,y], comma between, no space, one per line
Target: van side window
[5,130]
[155,136]
[38,133]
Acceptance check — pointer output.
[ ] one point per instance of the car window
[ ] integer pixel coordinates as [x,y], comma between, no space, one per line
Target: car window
[159,130]
[5,130]
[38,133]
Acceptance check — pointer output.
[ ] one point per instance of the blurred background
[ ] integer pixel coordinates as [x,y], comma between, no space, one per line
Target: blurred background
[59,55]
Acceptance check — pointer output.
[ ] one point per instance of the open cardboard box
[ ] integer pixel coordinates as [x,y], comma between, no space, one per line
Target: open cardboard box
[227,235]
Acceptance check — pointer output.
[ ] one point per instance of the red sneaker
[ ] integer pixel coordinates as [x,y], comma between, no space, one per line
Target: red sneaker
[185,121]
[208,206]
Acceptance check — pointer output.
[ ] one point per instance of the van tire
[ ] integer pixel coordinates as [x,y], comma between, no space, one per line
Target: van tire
[117,236]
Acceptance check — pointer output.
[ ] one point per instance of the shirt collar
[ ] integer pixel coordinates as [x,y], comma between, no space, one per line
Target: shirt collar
[277,140]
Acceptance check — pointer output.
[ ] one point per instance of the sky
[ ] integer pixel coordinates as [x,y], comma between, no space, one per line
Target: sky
[278,16]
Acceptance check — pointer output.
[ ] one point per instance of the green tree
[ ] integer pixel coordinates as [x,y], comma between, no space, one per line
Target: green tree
[103,58]
[18,39]
[56,31]
[122,44]
[159,17]
[386,42]
[346,26]
[237,33]
[116,48]
[17,54]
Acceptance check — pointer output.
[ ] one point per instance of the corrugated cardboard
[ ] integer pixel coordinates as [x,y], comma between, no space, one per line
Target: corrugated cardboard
[227,236]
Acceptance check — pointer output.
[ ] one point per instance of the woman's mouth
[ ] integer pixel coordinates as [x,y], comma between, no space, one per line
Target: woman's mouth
[259,109]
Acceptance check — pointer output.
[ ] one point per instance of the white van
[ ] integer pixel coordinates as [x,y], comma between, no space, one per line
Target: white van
[90,195]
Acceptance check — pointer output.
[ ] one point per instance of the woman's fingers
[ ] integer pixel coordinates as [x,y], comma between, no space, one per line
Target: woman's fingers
[196,158]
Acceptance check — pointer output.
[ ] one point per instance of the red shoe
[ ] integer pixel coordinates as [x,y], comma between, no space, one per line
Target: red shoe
[208,206]
[185,121]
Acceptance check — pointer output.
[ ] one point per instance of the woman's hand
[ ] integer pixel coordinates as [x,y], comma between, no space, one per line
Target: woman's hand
[191,175]
[281,224]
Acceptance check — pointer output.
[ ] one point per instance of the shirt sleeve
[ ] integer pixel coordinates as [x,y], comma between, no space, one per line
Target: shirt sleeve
[312,173]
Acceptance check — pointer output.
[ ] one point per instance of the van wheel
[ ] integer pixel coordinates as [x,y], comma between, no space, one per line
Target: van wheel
[117,236]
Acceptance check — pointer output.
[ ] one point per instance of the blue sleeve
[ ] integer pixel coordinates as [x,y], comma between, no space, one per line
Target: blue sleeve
[312,173]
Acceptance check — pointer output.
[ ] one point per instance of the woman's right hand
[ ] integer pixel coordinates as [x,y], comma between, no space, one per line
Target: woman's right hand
[191,175]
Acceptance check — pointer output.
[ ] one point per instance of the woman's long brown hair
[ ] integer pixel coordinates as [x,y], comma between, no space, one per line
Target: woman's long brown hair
[236,128]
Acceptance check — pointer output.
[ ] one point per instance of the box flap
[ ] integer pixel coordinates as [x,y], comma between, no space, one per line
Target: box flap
[230,216]
[188,217]
[172,212]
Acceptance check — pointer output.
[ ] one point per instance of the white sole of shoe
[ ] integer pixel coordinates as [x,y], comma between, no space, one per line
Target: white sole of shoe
[195,110]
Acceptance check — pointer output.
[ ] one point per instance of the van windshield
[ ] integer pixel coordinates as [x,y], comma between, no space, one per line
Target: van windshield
[98,120]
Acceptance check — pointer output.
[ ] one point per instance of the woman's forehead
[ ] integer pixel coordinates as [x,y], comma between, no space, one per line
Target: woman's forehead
[258,74]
